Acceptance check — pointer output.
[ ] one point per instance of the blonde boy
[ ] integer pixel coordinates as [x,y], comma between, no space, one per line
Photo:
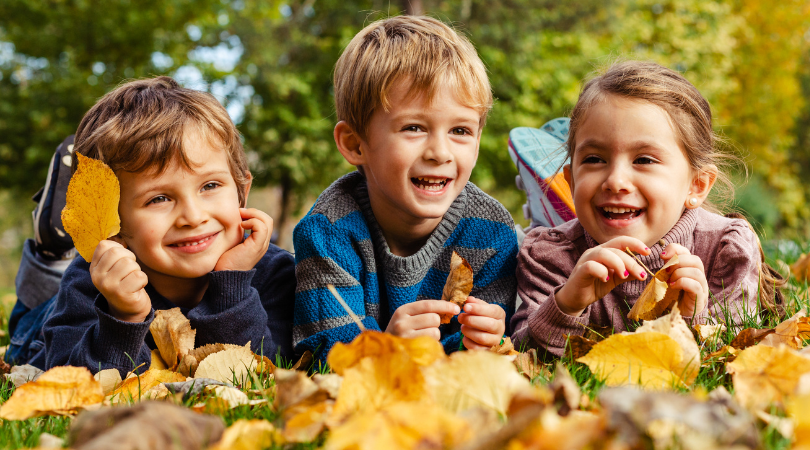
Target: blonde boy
[411,97]
[184,183]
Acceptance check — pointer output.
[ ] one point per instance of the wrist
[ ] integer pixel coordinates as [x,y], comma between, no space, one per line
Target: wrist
[127,317]
[562,298]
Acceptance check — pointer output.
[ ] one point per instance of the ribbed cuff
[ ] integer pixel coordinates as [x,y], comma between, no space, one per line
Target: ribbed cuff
[118,341]
[549,325]
[226,288]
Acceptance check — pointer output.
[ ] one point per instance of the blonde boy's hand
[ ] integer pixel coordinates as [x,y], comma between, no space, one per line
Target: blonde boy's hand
[598,271]
[247,253]
[690,276]
[420,318]
[482,324]
[117,275]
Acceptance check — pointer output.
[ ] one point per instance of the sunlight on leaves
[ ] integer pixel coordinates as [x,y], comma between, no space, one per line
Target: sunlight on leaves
[61,390]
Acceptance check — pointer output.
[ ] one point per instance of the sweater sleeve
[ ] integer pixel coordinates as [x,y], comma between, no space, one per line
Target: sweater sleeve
[249,306]
[544,263]
[329,253]
[82,333]
[734,276]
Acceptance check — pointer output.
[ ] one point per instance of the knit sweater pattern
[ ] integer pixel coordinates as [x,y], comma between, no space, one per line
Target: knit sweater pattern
[339,242]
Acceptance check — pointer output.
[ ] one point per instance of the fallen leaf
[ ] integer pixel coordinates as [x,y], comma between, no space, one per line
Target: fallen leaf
[549,431]
[133,388]
[652,360]
[400,425]
[791,332]
[157,362]
[798,409]
[528,364]
[232,365]
[472,379]
[422,351]
[566,391]
[597,333]
[109,379]
[60,390]
[91,209]
[505,347]
[749,337]
[192,387]
[674,326]
[578,346]
[47,440]
[459,284]
[188,365]
[20,375]
[159,425]
[725,354]
[305,405]
[801,268]
[233,396]
[765,375]
[657,296]
[710,334]
[293,387]
[782,425]
[255,434]
[329,383]
[173,335]
[304,362]
[305,422]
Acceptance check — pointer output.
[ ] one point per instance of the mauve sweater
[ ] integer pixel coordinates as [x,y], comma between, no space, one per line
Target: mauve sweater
[728,248]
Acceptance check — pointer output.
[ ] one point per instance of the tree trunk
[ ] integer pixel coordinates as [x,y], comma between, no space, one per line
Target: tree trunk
[413,7]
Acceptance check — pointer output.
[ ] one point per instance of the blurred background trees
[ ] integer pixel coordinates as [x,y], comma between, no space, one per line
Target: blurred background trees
[270,62]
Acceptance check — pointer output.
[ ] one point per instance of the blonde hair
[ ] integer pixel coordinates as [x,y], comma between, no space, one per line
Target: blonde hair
[419,50]
[691,118]
[140,126]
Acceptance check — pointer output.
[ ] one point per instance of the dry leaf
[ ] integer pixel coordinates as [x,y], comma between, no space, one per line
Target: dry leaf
[60,390]
[459,283]
[134,387]
[528,364]
[765,375]
[230,366]
[801,268]
[329,383]
[422,351]
[656,297]
[233,396]
[304,362]
[173,335]
[579,430]
[798,409]
[674,326]
[188,366]
[91,209]
[473,379]
[20,375]
[305,422]
[157,362]
[566,391]
[505,348]
[109,379]
[578,346]
[749,337]
[304,404]
[791,332]
[597,333]
[725,354]
[245,434]
[710,334]
[402,425]
[651,360]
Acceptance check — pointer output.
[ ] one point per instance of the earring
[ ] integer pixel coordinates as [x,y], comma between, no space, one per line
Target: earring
[693,201]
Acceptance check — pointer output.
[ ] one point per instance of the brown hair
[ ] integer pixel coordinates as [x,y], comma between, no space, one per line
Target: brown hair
[691,118]
[421,50]
[140,126]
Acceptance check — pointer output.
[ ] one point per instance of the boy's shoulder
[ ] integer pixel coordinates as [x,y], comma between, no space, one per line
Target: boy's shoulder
[479,204]
[340,199]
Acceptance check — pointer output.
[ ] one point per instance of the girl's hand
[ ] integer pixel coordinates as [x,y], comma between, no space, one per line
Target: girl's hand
[246,254]
[690,276]
[420,318]
[118,277]
[598,271]
[482,324]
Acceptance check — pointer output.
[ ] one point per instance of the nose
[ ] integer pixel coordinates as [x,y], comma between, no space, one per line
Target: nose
[191,213]
[438,149]
[618,179]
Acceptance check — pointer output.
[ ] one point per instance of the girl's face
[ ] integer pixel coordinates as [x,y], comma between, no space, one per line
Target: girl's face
[628,174]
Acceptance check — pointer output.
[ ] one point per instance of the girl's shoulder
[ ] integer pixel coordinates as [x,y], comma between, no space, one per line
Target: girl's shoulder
[716,234]
[566,235]
[709,223]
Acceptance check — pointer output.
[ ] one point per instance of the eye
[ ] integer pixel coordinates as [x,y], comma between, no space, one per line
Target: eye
[158,199]
[210,186]
[644,160]
[592,160]
[412,128]
[460,131]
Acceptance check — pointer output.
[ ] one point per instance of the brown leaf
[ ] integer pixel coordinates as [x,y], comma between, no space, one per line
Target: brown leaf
[504,348]
[304,362]
[566,391]
[725,354]
[577,346]
[459,283]
[528,364]
[173,335]
[136,386]
[801,268]
[597,333]
[656,297]
[255,434]
[791,332]
[305,404]
[61,390]
[109,379]
[749,337]
[188,365]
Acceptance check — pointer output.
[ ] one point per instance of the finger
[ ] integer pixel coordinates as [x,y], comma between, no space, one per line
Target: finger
[431,306]
[481,338]
[422,321]
[102,248]
[469,344]
[624,242]
[485,310]
[118,240]
[595,270]
[613,259]
[674,249]
[688,285]
[109,257]
[487,324]
[134,281]
[430,332]
[687,261]
[692,273]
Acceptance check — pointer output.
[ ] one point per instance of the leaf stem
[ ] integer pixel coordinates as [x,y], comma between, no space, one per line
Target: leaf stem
[346,307]
[638,260]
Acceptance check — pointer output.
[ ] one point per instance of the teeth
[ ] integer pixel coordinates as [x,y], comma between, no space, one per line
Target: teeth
[187,244]
[615,210]
[432,180]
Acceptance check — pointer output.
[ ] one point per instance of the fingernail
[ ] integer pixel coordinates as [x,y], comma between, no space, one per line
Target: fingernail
[663,253]
[671,283]
[607,279]
[646,248]
[626,273]
[643,274]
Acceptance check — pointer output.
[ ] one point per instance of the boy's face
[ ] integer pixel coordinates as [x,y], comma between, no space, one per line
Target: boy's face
[180,222]
[418,156]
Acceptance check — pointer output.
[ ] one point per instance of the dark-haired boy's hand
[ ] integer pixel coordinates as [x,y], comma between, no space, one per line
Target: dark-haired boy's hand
[420,318]
[482,324]
[117,275]
[246,254]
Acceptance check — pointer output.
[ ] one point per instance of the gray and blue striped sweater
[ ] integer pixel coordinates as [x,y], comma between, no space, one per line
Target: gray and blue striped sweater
[339,242]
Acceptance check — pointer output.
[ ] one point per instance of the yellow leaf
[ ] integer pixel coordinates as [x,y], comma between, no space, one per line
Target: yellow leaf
[422,351]
[109,379]
[801,268]
[305,403]
[578,430]
[674,326]
[233,396]
[91,209]
[60,390]
[474,379]
[656,297]
[763,375]
[791,332]
[134,387]
[229,366]
[173,335]
[798,409]
[157,362]
[459,283]
[305,423]
[647,359]
[401,425]
[255,434]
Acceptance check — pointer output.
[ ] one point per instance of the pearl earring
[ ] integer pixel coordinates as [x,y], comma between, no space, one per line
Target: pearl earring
[693,201]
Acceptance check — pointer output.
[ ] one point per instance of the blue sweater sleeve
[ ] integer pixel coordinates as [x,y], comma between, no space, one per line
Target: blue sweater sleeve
[253,306]
[328,253]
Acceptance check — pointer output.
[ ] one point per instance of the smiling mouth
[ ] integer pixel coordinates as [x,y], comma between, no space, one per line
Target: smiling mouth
[192,243]
[615,213]
[429,183]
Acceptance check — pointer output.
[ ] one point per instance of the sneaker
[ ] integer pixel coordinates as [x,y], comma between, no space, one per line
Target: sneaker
[52,240]
[539,154]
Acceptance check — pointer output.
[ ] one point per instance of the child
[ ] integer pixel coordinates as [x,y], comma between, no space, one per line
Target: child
[411,98]
[184,182]
[643,163]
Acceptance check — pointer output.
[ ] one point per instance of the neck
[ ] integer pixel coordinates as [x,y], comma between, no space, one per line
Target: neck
[183,292]
[404,234]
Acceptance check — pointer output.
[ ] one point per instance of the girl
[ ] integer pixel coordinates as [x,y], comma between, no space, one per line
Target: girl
[643,162]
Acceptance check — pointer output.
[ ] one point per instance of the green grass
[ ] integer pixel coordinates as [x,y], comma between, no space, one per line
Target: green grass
[20,434]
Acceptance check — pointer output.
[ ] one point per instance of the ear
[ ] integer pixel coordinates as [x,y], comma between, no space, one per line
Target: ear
[349,143]
[247,188]
[701,186]
[568,178]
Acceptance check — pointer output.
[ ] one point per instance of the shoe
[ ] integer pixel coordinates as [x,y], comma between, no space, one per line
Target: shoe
[539,155]
[52,240]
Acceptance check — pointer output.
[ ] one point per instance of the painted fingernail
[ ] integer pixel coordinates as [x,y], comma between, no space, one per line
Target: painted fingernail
[626,273]
[646,248]
[663,253]
[643,274]
[607,279]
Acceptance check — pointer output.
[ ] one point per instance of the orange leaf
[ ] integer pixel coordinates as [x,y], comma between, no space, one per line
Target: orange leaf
[656,297]
[173,335]
[459,283]
[60,390]
[422,350]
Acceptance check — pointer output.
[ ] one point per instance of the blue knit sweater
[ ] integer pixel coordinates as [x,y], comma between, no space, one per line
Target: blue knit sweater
[238,306]
[339,242]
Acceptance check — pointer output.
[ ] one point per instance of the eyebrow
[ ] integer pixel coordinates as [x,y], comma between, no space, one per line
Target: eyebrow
[162,187]
[599,145]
